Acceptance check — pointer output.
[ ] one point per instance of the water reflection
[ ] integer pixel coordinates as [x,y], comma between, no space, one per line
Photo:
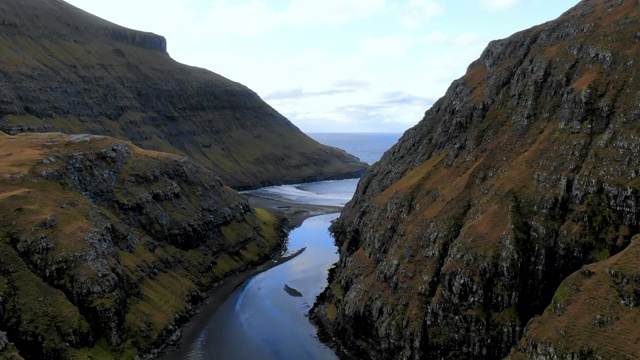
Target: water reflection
[262,320]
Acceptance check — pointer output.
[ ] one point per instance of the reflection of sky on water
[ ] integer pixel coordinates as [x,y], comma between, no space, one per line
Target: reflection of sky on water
[261,320]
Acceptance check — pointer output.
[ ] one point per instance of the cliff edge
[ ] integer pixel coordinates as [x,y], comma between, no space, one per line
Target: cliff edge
[62,69]
[470,238]
[105,248]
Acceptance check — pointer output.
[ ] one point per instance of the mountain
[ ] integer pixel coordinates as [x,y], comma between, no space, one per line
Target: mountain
[117,213]
[504,223]
[105,247]
[62,69]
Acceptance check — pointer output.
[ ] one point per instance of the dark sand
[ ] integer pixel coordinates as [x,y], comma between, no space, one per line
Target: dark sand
[295,213]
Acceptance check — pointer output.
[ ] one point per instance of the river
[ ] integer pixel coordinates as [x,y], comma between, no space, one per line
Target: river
[267,316]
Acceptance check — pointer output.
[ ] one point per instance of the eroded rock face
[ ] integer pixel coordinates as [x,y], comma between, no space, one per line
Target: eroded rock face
[178,201]
[66,70]
[106,247]
[524,171]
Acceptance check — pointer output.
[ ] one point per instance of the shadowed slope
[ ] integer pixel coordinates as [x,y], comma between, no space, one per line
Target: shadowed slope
[62,69]
[105,247]
[524,171]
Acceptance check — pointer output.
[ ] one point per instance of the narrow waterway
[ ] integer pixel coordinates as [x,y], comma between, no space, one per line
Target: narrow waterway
[267,317]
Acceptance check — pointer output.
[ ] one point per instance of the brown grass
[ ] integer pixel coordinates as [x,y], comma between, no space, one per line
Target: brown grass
[614,13]
[476,78]
[410,181]
[20,153]
[588,298]
[554,51]
[450,183]
[42,201]
[11,192]
[483,233]
[152,153]
[583,82]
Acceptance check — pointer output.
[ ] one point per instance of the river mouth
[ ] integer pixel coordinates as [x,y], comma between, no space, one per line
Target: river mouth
[267,317]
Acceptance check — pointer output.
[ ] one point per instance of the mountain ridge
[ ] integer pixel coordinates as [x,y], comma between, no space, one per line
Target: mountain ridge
[524,171]
[64,70]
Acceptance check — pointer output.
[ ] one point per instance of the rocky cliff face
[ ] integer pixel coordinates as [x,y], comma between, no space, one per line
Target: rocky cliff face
[105,247]
[62,69]
[527,169]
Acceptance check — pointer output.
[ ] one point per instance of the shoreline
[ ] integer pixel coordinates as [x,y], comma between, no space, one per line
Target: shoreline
[293,214]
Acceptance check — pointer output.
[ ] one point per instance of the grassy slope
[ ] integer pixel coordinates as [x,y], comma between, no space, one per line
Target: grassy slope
[61,79]
[593,313]
[168,277]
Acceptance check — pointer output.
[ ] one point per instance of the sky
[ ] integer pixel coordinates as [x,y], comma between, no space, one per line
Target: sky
[334,65]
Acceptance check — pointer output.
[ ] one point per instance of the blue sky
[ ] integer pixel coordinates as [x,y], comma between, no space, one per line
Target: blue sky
[334,65]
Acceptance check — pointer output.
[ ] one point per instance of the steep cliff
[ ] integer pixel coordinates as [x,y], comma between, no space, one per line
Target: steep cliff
[106,247]
[527,169]
[62,69]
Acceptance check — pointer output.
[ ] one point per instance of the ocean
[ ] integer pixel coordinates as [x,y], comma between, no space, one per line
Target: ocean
[267,316]
[368,147]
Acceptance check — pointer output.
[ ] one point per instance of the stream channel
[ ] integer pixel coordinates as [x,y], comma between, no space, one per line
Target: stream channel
[267,316]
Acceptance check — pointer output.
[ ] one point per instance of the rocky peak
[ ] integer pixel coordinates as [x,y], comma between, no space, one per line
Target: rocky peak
[524,171]
[56,20]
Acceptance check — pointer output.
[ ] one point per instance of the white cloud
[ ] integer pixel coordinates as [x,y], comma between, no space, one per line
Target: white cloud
[393,47]
[331,64]
[308,59]
[436,37]
[500,4]
[159,16]
[254,17]
[331,12]
[222,18]
[439,70]
[417,12]
[251,17]
[467,40]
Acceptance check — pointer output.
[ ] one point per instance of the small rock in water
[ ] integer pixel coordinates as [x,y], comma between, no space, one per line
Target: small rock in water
[291,291]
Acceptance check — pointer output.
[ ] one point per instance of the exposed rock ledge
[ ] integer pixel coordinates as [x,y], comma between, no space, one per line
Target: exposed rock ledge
[105,247]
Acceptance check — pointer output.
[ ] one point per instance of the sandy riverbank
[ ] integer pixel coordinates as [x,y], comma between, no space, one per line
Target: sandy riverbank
[295,214]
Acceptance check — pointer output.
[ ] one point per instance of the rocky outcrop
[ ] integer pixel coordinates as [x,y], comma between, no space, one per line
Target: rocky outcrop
[137,38]
[66,70]
[523,172]
[106,247]
[59,22]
